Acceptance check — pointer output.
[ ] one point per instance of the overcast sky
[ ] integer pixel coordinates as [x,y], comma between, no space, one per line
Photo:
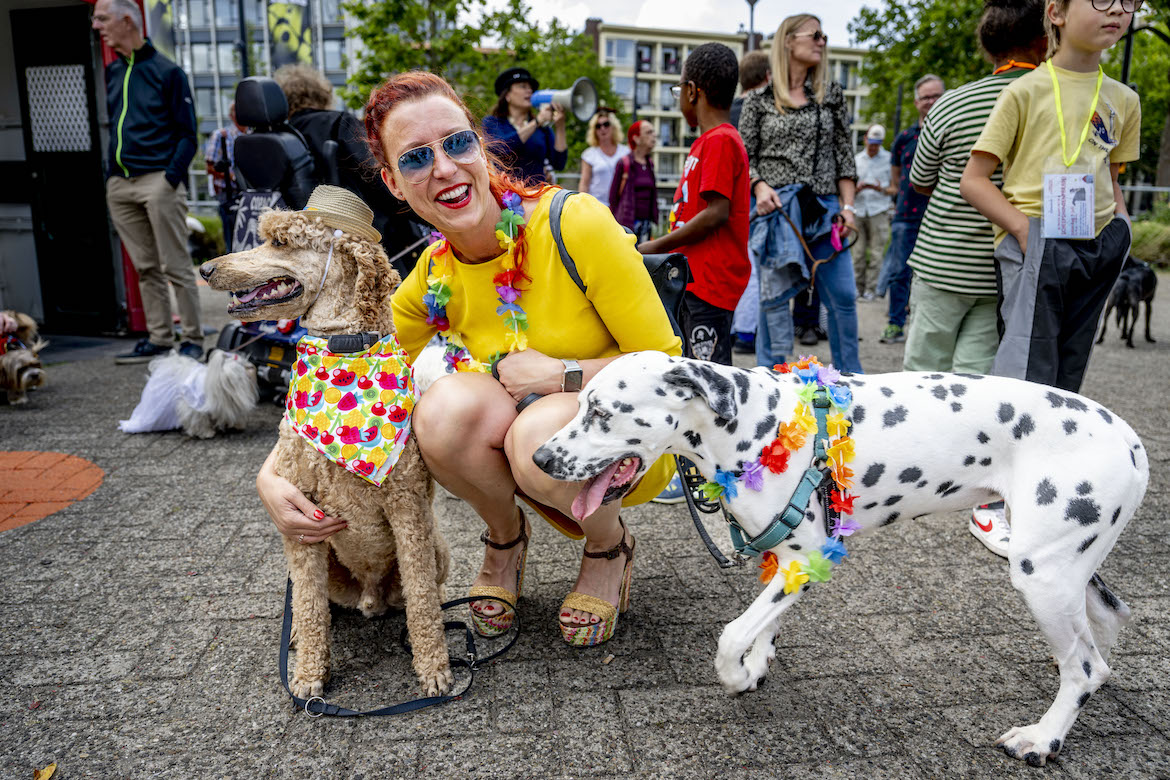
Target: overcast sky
[700,15]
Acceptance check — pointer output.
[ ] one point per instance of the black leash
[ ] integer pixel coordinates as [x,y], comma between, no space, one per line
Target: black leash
[317,706]
[692,481]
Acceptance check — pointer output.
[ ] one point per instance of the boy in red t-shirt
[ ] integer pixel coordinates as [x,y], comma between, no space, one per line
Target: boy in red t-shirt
[709,220]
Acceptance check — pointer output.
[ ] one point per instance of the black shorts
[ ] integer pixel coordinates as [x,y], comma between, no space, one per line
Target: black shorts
[706,330]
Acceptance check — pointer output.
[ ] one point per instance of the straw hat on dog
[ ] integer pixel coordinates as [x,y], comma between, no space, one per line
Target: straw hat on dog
[340,209]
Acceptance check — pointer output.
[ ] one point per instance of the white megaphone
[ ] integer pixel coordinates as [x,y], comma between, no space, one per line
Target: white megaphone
[580,100]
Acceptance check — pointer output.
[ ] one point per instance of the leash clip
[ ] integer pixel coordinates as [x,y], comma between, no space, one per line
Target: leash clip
[315,713]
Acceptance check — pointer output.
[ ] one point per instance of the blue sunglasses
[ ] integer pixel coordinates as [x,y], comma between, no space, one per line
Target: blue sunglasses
[415,164]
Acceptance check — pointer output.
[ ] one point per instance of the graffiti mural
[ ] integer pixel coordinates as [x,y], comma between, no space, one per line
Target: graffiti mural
[160,24]
[290,32]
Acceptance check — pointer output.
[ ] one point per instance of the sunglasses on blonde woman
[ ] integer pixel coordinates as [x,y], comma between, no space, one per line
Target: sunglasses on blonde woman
[416,164]
[817,36]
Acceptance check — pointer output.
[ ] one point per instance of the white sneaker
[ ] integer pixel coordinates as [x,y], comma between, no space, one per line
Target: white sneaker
[989,525]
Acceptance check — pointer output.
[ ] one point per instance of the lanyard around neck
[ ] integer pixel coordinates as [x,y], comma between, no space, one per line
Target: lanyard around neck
[1012,64]
[1068,161]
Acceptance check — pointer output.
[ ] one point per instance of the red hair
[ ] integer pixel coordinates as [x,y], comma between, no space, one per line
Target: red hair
[635,131]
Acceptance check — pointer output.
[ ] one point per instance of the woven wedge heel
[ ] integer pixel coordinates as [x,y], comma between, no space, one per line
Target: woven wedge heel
[494,625]
[593,634]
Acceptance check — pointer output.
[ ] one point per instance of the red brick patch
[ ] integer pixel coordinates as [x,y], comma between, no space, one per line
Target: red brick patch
[34,485]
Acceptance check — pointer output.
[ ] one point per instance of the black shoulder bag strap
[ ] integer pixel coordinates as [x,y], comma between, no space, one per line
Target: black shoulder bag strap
[317,706]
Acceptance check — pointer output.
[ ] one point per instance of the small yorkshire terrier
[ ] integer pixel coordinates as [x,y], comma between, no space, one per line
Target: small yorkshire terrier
[20,361]
[202,399]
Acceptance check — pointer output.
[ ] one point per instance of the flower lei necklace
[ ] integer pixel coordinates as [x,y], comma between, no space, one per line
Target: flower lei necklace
[510,232]
[790,437]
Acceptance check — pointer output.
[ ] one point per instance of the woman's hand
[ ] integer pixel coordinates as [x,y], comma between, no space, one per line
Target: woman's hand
[8,323]
[545,115]
[294,515]
[530,371]
[849,217]
[767,200]
[558,114]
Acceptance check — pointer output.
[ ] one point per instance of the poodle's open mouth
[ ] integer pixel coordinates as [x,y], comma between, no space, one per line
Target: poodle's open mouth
[278,290]
[610,485]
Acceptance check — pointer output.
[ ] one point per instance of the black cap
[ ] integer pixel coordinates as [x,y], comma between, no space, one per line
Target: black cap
[514,76]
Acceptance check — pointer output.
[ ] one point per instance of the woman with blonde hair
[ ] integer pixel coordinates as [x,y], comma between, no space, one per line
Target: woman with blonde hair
[796,131]
[601,158]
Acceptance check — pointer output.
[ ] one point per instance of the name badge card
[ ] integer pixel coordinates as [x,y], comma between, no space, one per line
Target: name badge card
[1069,203]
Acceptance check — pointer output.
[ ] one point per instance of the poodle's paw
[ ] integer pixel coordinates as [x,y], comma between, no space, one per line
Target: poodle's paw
[437,682]
[1030,744]
[306,687]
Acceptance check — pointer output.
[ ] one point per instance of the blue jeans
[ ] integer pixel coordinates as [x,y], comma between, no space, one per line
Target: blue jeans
[896,274]
[838,292]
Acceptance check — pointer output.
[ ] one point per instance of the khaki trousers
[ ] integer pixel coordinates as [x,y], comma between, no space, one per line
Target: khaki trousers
[950,332]
[873,233]
[151,219]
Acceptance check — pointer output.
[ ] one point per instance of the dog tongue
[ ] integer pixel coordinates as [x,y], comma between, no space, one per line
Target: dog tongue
[249,296]
[589,499]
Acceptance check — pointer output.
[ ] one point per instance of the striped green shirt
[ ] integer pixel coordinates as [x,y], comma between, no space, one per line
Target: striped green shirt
[955,245]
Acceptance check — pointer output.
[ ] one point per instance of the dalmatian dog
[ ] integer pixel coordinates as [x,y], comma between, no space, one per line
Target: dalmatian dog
[1071,473]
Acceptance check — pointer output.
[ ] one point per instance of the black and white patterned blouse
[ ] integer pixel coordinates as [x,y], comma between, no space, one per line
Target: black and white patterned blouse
[810,144]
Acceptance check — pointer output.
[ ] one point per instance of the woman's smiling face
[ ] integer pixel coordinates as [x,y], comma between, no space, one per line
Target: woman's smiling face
[456,197]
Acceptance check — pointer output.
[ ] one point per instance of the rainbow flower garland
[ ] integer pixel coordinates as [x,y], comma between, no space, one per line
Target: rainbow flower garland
[510,232]
[790,437]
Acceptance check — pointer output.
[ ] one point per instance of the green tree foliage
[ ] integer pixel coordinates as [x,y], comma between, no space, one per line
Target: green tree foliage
[435,35]
[910,38]
[1149,73]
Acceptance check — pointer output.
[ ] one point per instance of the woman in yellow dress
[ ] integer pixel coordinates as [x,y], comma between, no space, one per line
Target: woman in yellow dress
[494,284]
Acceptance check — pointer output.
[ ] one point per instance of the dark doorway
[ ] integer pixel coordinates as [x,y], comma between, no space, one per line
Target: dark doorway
[55,53]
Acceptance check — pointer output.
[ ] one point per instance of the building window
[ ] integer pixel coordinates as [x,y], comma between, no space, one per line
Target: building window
[642,95]
[254,11]
[226,96]
[668,134]
[846,75]
[201,57]
[331,12]
[197,13]
[228,57]
[226,13]
[205,102]
[665,98]
[670,60]
[331,51]
[667,167]
[623,87]
[619,53]
[645,58]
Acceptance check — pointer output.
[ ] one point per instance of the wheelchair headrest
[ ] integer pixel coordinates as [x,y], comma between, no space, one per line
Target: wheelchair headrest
[260,103]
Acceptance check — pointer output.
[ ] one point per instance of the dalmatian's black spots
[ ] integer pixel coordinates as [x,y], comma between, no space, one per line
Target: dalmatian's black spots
[858,414]
[921,484]
[873,474]
[804,587]
[952,490]
[969,460]
[935,377]
[1085,511]
[633,442]
[887,392]
[939,392]
[942,489]
[1026,566]
[780,596]
[809,516]
[741,383]
[1076,404]
[983,437]
[1105,415]
[572,434]
[891,518]
[1084,488]
[1006,412]
[1107,596]
[731,426]
[918,386]
[1087,543]
[1033,759]
[856,382]
[1045,492]
[891,500]
[894,416]
[1081,702]
[621,384]
[773,400]
[1023,427]
[1057,401]
[1070,427]
[1116,514]
[956,407]
[669,419]
[694,438]
[642,423]
[870,505]
[794,547]
[909,475]
[970,376]
[1054,746]
[744,445]
[985,462]
[624,408]
[660,392]
[766,426]
[958,390]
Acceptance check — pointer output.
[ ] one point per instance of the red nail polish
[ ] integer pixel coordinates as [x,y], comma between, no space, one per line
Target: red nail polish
[317,513]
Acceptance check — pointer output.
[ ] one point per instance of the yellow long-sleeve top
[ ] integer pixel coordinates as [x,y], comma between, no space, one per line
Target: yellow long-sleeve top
[619,311]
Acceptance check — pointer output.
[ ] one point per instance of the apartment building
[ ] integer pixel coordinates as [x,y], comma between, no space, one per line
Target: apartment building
[646,62]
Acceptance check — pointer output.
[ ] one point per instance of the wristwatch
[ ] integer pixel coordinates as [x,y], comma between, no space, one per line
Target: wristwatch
[848,207]
[571,379]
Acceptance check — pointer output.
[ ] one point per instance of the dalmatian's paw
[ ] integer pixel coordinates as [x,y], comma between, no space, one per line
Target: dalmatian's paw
[1031,744]
[733,673]
[757,660]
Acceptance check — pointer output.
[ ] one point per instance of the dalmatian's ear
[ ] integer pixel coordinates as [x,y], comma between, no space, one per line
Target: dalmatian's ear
[701,379]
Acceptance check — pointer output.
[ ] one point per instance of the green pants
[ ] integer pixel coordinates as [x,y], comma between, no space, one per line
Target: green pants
[950,332]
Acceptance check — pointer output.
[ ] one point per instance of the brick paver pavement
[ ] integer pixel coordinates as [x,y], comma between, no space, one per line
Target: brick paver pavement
[139,629]
[34,485]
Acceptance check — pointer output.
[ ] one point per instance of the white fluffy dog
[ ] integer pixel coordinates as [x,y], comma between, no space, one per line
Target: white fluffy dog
[200,398]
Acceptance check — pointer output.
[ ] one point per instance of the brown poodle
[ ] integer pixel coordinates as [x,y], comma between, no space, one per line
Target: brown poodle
[20,360]
[392,551]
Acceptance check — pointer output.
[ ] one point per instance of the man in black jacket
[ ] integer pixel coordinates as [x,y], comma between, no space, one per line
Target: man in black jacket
[152,141]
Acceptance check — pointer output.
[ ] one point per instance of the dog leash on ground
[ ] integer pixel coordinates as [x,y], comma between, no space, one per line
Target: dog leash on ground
[316,706]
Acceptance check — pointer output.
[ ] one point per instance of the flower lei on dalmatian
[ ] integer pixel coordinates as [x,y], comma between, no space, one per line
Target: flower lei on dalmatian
[790,437]
[510,232]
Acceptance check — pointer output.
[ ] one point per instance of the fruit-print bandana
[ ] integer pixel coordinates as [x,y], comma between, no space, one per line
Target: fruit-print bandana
[353,407]
[10,343]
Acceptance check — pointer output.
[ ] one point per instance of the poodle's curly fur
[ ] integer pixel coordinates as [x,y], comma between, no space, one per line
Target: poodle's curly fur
[391,553]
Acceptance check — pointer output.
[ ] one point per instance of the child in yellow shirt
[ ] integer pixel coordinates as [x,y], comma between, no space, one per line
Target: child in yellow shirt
[1062,231]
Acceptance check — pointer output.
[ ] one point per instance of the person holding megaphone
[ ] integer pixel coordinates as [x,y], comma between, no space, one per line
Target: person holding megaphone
[522,140]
